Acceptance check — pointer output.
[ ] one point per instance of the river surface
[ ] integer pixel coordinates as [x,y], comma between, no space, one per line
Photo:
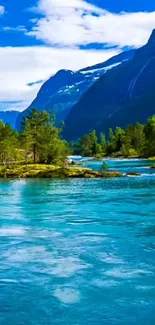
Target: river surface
[79,252]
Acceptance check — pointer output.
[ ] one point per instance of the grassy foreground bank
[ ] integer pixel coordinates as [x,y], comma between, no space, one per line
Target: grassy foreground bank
[51,171]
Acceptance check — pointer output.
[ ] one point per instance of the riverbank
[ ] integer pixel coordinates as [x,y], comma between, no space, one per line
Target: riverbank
[50,171]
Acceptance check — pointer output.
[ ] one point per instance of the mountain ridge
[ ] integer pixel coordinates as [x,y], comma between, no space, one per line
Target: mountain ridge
[118,97]
[63,90]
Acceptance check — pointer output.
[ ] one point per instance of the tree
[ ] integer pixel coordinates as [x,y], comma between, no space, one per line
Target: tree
[115,140]
[150,136]
[9,144]
[42,138]
[90,145]
[138,139]
[133,143]
[32,126]
[86,145]
[103,142]
[94,143]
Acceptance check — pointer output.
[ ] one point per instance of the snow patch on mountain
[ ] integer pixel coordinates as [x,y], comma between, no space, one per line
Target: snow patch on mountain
[102,69]
[63,90]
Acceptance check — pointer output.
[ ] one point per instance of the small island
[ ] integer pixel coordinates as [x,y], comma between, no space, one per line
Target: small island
[51,171]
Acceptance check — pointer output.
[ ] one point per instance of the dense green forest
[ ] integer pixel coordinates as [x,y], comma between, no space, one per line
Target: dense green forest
[135,141]
[40,141]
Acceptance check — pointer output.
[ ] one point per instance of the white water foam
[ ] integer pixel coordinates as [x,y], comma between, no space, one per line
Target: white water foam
[12,231]
[67,295]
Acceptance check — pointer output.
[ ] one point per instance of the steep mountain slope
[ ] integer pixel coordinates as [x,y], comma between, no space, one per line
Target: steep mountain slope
[63,90]
[9,117]
[122,96]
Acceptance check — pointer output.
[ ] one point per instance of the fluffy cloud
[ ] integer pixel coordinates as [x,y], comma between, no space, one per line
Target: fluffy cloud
[2,10]
[21,66]
[75,22]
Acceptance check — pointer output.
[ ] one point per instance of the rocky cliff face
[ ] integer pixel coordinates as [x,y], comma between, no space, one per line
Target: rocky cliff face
[63,90]
[120,97]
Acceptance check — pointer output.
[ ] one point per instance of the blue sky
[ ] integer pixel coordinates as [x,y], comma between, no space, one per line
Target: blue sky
[39,37]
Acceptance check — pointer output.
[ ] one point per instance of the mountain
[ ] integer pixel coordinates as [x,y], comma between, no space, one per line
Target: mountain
[63,90]
[122,96]
[9,117]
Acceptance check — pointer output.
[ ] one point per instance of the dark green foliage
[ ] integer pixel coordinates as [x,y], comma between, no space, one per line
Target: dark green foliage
[135,141]
[90,145]
[40,142]
[150,136]
[103,142]
[115,140]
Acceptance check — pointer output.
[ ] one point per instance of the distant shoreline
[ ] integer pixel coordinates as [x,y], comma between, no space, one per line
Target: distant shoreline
[110,158]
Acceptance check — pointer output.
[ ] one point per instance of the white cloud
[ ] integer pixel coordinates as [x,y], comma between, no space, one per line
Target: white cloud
[22,65]
[2,10]
[14,29]
[75,22]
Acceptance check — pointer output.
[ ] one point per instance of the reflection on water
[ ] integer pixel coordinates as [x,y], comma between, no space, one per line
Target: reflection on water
[78,251]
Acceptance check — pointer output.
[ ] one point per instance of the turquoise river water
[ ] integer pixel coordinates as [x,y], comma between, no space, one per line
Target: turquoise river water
[78,252]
